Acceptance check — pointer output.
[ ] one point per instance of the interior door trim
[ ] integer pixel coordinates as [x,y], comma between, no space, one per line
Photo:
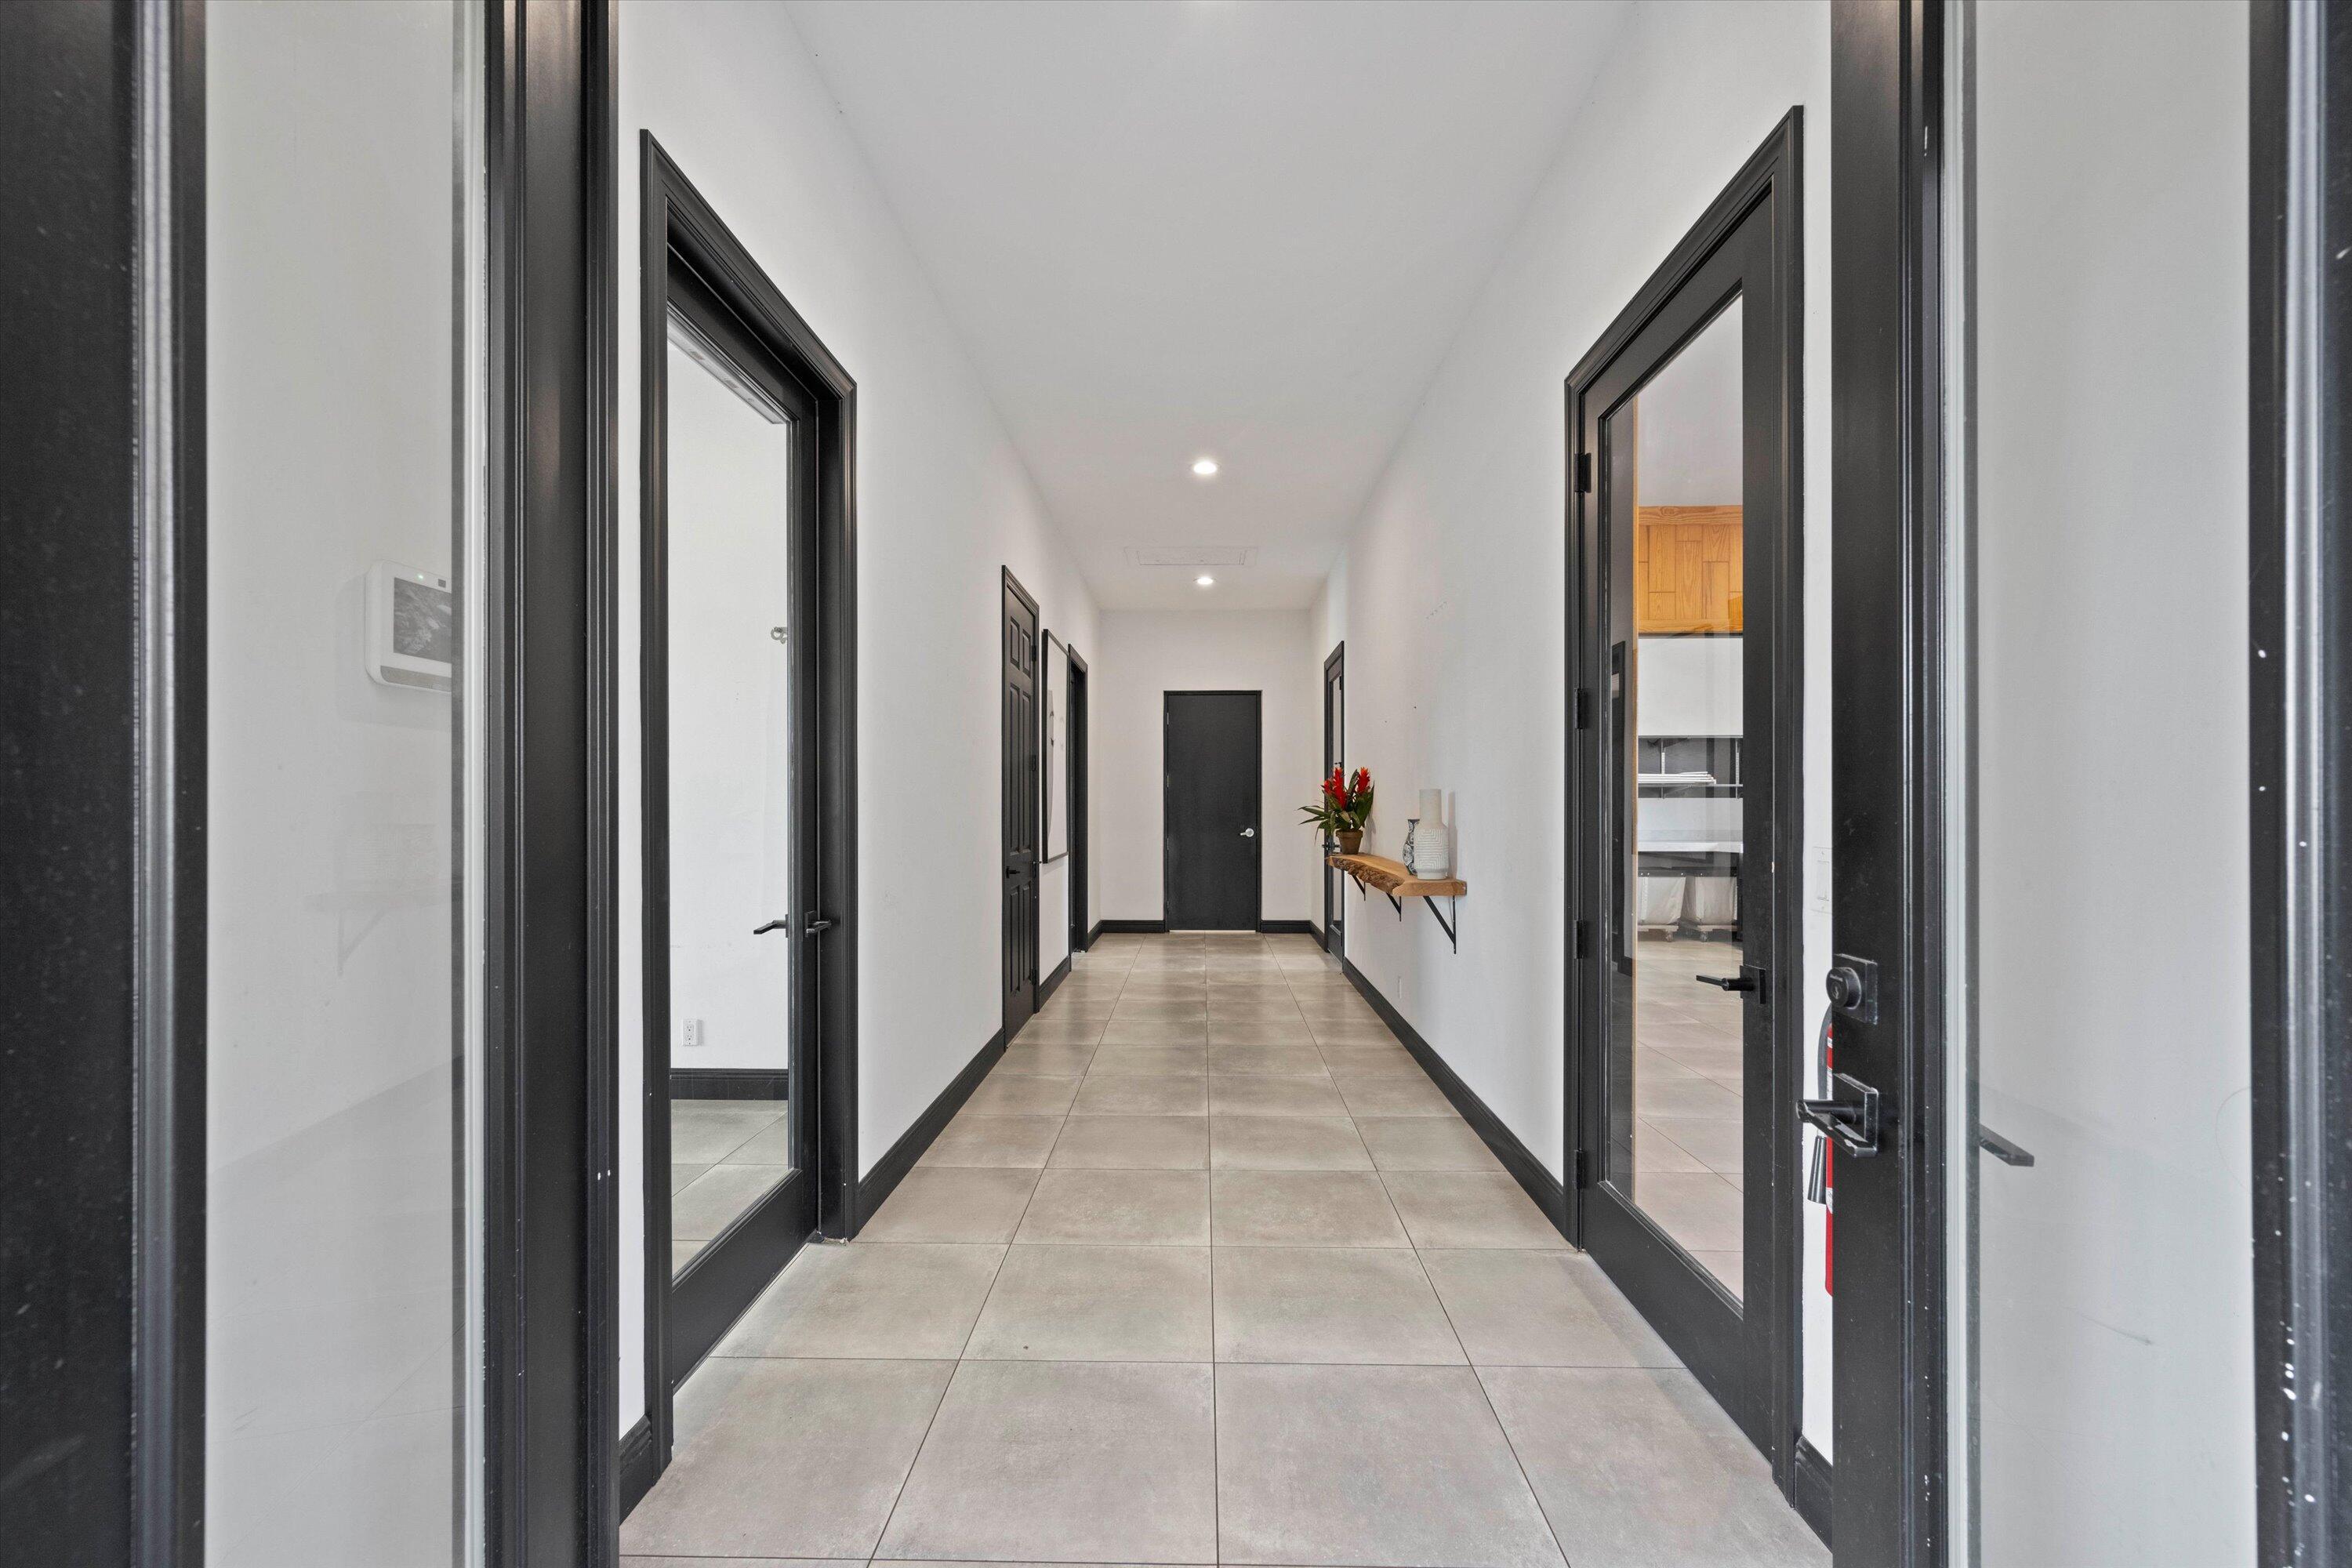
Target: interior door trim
[680,228]
[1888,725]
[1335,671]
[1767,1404]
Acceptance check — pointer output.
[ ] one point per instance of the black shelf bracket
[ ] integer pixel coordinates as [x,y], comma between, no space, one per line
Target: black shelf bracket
[1395,903]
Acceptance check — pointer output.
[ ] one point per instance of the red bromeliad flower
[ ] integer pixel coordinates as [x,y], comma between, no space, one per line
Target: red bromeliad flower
[1346,802]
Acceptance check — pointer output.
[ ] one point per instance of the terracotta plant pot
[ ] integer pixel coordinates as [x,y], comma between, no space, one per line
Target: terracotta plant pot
[1351,843]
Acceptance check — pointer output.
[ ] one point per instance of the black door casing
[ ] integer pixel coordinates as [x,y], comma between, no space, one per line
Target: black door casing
[1334,754]
[1743,1351]
[1212,791]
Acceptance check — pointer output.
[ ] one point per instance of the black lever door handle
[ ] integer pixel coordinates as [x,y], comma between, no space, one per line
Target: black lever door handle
[1749,978]
[772,925]
[1852,1121]
[816,925]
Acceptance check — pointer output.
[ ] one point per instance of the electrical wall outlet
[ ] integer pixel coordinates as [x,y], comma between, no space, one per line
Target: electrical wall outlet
[695,1037]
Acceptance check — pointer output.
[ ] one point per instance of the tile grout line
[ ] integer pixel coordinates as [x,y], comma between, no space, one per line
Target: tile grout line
[1477,1375]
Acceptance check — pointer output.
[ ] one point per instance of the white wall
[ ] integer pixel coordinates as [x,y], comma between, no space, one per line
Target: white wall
[942,503]
[1453,578]
[1147,653]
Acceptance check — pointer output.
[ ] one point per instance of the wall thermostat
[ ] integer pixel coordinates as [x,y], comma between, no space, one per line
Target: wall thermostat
[412,627]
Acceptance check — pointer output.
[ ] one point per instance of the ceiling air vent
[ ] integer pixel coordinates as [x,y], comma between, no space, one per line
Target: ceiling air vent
[1192,554]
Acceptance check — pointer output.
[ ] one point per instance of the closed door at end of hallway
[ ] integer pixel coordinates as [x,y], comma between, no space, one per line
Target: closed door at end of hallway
[1210,775]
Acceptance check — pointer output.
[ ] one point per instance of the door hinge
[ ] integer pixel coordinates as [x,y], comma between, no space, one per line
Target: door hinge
[1584,939]
[1584,473]
[1583,708]
[1583,1174]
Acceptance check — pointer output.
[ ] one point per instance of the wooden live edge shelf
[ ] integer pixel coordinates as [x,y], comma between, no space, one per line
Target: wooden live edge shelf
[1392,878]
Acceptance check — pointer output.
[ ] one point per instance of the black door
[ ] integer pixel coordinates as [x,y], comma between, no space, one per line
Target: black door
[1334,754]
[773,901]
[1024,799]
[1684,626]
[1211,773]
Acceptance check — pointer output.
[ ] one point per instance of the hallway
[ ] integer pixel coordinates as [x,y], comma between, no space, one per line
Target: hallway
[1207,1271]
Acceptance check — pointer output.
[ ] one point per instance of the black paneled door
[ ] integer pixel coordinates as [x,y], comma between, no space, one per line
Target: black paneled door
[1211,780]
[1022,819]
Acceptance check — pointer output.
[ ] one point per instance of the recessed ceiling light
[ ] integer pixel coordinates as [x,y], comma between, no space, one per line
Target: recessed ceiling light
[1204,581]
[1206,467]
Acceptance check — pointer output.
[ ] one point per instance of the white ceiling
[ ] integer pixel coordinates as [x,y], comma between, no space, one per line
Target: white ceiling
[1208,226]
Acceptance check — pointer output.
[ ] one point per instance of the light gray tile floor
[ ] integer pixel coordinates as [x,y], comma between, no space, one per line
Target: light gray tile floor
[1225,1281]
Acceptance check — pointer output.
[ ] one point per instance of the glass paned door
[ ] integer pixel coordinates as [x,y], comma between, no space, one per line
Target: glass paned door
[344,465]
[731,900]
[1677,1083]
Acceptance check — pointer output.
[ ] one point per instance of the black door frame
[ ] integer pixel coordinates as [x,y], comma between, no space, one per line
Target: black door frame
[102,726]
[1257,839]
[1887,90]
[2300,621]
[1019,1003]
[1081,932]
[104,610]
[1747,1353]
[1889,723]
[688,252]
[1334,674]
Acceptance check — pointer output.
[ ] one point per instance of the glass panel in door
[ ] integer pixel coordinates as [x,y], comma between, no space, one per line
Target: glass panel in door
[730,864]
[2101,1310]
[344,469]
[1676,1074]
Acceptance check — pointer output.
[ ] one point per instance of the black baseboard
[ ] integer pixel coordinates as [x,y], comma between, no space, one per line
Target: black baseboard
[636,1472]
[1812,1496]
[1289,928]
[1129,928]
[729,1083]
[1525,1168]
[1046,986]
[892,1168]
[1093,936]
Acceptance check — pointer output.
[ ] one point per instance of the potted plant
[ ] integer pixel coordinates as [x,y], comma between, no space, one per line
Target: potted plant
[1345,807]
